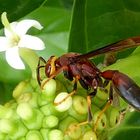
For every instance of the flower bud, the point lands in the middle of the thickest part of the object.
(14, 128)
(113, 116)
(65, 104)
(31, 117)
(22, 87)
(44, 133)
(50, 121)
(48, 92)
(102, 121)
(50, 109)
(55, 134)
(34, 135)
(89, 135)
(80, 104)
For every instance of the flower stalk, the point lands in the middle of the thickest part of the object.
(31, 59)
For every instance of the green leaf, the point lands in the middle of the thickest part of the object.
(60, 3)
(96, 23)
(129, 65)
(18, 8)
(129, 129)
(56, 22)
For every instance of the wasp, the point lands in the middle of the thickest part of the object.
(79, 68)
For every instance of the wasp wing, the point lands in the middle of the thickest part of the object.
(118, 46)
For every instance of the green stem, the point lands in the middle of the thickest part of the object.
(31, 58)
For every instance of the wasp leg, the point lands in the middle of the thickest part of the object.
(89, 118)
(105, 107)
(72, 93)
(38, 69)
(90, 95)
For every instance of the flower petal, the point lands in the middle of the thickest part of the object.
(4, 44)
(23, 26)
(13, 58)
(9, 32)
(32, 42)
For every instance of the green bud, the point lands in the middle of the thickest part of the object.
(50, 109)
(48, 92)
(102, 122)
(44, 133)
(43, 99)
(114, 116)
(21, 130)
(25, 111)
(34, 100)
(72, 112)
(7, 126)
(80, 104)
(31, 98)
(25, 97)
(34, 135)
(90, 135)
(12, 104)
(31, 117)
(70, 129)
(65, 104)
(50, 121)
(55, 134)
(22, 87)
(74, 131)
(36, 121)
(15, 129)
(49, 88)
(7, 113)
(64, 124)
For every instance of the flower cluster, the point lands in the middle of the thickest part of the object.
(32, 115)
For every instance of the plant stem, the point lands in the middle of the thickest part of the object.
(31, 58)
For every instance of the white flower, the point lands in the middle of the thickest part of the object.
(16, 37)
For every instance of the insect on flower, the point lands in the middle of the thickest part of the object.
(16, 38)
(78, 67)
